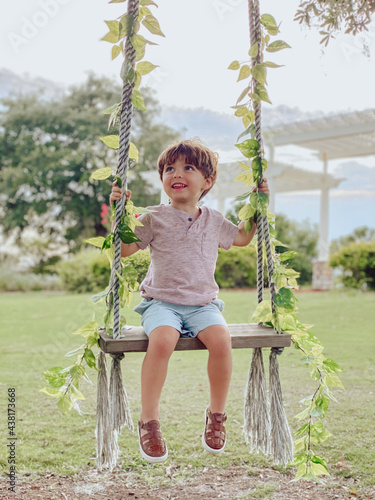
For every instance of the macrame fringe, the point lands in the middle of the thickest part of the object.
(281, 446)
(257, 420)
(120, 410)
(106, 440)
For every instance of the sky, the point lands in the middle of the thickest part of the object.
(60, 40)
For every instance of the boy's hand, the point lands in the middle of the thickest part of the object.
(264, 188)
(116, 193)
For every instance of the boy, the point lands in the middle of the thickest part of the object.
(179, 292)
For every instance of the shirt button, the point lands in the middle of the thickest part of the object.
(190, 219)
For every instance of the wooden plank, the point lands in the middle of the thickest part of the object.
(244, 335)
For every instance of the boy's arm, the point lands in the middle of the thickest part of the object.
(243, 238)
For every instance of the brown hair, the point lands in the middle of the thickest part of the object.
(196, 154)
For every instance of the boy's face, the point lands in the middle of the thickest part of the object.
(183, 182)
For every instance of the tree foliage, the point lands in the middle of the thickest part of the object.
(48, 151)
(357, 262)
(333, 16)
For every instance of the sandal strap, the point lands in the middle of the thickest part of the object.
(215, 430)
(153, 440)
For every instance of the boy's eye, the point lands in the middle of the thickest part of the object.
(189, 167)
(169, 169)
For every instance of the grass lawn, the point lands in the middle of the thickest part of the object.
(36, 333)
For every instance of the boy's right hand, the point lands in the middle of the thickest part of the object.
(116, 193)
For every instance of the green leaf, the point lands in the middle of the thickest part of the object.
(98, 297)
(263, 312)
(234, 65)
(74, 351)
(246, 212)
(107, 243)
(111, 37)
(117, 1)
(65, 404)
(87, 329)
(55, 393)
(116, 51)
(126, 234)
(146, 2)
(248, 226)
(54, 377)
(269, 23)
(96, 242)
(145, 67)
(260, 73)
(285, 299)
(333, 380)
(249, 148)
(260, 202)
(331, 366)
(269, 64)
(101, 173)
(245, 72)
(127, 25)
(75, 393)
(152, 24)
(112, 141)
(77, 372)
(276, 46)
(287, 255)
(261, 92)
(254, 49)
(89, 357)
(133, 152)
(241, 111)
(243, 94)
(137, 100)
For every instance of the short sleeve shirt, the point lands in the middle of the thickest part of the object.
(183, 253)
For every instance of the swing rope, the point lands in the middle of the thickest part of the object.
(113, 411)
(266, 426)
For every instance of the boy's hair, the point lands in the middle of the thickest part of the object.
(196, 154)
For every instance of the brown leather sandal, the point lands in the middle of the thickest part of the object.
(214, 437)
(152, 445)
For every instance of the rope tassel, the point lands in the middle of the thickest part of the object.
(281, 446)
(257, 420)
(106, 441)
(120, 411)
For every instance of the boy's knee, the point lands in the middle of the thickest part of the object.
(162, 341)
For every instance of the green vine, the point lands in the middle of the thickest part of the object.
(63, 383)
(322, 369)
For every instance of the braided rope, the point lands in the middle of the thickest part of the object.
(122, 167)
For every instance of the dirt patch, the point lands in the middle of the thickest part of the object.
(232, 483)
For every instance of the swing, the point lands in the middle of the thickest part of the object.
(266, 427)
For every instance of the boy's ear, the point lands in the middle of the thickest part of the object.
(209, 182)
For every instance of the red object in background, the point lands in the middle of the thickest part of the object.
(103, 214)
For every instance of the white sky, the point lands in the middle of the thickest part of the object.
(59, 40)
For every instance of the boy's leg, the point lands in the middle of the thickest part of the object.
(218, 342)
(162, 342)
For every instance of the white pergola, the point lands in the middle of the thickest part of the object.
(345, 135)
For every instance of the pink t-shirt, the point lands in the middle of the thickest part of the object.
(183, 253)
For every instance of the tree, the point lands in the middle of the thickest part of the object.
(331, 16)
(359, 234)
(48, 150)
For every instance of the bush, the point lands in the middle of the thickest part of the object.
(89, 271)
(357, 261)
(16, 281)
(236, 268)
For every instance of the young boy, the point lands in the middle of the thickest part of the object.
(179, 292)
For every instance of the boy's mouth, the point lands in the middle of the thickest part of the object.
(178, 185)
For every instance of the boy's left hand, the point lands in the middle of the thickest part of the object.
(263, 188)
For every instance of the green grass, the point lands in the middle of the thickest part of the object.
(36, 333)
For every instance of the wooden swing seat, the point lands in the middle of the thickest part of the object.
(244, 335)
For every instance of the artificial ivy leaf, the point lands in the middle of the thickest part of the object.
(270, 64)
(287, 255)
(146, 2)
(65, 404)
(249, 131)
(248, 119)
(116, 51)
(89, 357)
(75, 393)
(74, 351)
(333, 380)
(127, 25)
(107, 243)
(285, 299)
(111, 37)
(117, 1)
(269, 23)
(152, 24)
(243, 94)
(101, 173)
(278, 45)
(112, 141)
(54, 377)
(248, 226)
(133, 152)
(137, 100)
(331, 366)
(234, 65)
(254, 49)
(241, 111)
(145, 67)
(249, 148)
(55, 393)
(96, 242)
(260, 73)
(263, 312)
(87, 329)
(260, 202)
(77, 372)
(126, 234)
(261, 92)
(245, 72)
(246, 212)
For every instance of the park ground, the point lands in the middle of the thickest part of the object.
(56, 454)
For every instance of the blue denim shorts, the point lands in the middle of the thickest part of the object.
(188, 320)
